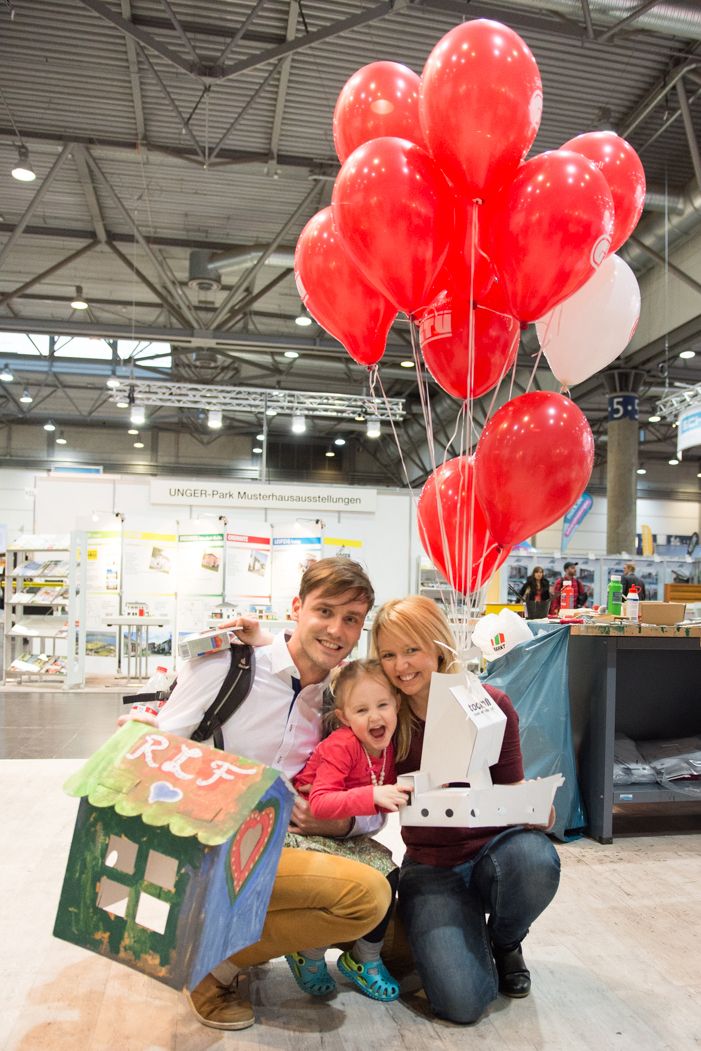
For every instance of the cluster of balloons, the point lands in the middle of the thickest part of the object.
(436, 213)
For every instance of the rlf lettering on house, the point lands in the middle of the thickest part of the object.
(152, 744)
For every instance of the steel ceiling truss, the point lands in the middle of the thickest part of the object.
(259, 400)
(677, 401)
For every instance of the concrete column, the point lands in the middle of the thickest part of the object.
(621, 478)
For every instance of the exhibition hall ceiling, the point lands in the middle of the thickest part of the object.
(180, 147)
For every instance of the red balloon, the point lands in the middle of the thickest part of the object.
(549, 230)
(337, 295)
(480, 104)
(455, 274)
(532, 462)
(444, 334)
(453, 529)
(621, 167)
(380, 99)
(394, 211)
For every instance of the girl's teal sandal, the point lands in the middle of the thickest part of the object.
(373, 979)
(312, 976)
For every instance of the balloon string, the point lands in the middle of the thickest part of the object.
(376, 381)
(428, 423)
(532, 376)
(467, 546)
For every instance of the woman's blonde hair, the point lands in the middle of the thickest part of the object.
(414, 619)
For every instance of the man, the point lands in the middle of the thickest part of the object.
(317, 899)
(629, 579)
(580, 595)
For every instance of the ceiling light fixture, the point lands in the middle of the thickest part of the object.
(673, 462)
(215, 419)
(303, 319)
(329, 453)
(654, 419)
(687, 354)
(260, 437)
(23, 170)
(641, 470)
(26, 397)
(79, 303)
(257, 450)
(407, 364)
(122, 404)
(132, 430)
(6, 374)
(271, 412)
(113, 382)
(299, 425)
(49, 425)
(61, 440)
(137, 416)
(373, 427)
(339, 441)
(292, 354)
(138, 445)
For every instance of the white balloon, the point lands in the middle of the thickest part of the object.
(588, 331)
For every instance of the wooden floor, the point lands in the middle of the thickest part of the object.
(615, 960)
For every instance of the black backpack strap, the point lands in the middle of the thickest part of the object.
(232, 693)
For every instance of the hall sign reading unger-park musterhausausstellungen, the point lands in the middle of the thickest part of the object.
(244, 494)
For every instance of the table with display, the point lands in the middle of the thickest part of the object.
(141, 626)
(640, 680)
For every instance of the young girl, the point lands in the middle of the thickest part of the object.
(351, 774)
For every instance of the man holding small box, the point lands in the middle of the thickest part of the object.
(317, 899)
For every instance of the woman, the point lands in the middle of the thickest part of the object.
(536, 590)
(451, 877)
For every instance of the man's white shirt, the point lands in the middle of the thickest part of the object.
(270, 726)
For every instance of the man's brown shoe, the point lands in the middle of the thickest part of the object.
(220, 1006)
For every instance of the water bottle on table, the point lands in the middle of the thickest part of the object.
(631, 609)
(614, 596)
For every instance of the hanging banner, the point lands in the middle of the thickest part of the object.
(102, 590)
(201, 564)
(689, 429)
(574, 518)
(295, 548)
(149, 584)
(646, 545)
(253, 494)
(341, 547)
(248, 566)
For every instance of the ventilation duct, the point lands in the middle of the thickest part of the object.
(652, 230)
(666, 18)
(205, 267)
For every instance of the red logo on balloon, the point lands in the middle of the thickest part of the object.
(601, 249)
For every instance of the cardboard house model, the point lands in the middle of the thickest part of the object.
(174, 854)
(463, 738)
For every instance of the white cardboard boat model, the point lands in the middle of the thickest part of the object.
(463, 738)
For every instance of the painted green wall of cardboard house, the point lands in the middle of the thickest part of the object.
(174, 854)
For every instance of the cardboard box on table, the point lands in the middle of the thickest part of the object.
(174, 854)
(463, 738)
(662, 612)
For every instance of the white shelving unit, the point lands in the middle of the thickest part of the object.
(45, 570)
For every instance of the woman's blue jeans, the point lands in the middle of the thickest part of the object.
(513, 878)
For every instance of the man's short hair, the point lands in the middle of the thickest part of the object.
(335, 576)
